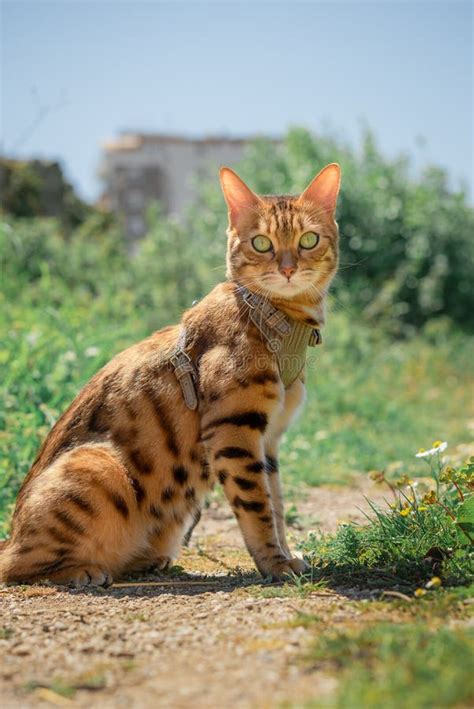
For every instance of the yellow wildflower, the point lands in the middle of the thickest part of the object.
(430, 498)
(419, 593)
(405, 512)
(447, 474)
(377, 476)
(404, 480)
(435, 582)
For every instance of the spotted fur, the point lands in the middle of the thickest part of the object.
(119, 482)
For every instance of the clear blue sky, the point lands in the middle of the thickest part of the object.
(94, 68)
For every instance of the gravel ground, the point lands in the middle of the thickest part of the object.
(204, 638)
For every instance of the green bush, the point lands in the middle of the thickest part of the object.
(70, 300)
(407, 252)
(38, 188)
(429, 528)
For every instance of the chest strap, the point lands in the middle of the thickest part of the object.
(286, 338)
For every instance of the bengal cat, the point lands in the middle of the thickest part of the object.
(121, 477)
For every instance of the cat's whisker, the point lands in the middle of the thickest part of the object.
(334, 298)
(345, 265)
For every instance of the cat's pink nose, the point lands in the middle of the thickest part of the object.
(287, 271)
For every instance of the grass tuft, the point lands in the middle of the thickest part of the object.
(421, 540)
(392, 666)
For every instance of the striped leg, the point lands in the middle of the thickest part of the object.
(236, 453)
(294, 398)
(274, 483)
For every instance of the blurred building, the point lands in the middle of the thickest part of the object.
(140, 168)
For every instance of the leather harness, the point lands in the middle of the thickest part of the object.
(287, 339)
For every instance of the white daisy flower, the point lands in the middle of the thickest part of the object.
(33, 337)
(91, 351)
(438, 447)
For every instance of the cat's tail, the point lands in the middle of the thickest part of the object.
(6, 559)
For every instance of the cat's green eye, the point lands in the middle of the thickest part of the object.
(261, 243)
(309, 240)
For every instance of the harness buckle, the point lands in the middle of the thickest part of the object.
(271, 316)
(181, 361)
(250, 298)
(315, 338)
(279, 322)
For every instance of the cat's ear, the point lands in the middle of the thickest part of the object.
(241, 201)
(324, 188)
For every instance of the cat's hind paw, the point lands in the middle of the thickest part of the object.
(162, 563)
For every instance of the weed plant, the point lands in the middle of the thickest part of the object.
(421, 539)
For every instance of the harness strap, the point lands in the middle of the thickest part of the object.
(263, 313)
(287, 339)
(185, 371)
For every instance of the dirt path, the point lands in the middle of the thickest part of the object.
(213, 640)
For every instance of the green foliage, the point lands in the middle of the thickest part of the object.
(396, 665)
(407, 252)
(36, 256)
(465, 518)
(37, 188)
(69, 302)
(372, 399)
(20, 188)
(426, 530)
(407, 248)
(170, 270)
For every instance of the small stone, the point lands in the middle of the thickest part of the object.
(21, 650)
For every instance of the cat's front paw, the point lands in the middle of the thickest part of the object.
(82, 577)
(286, 567)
